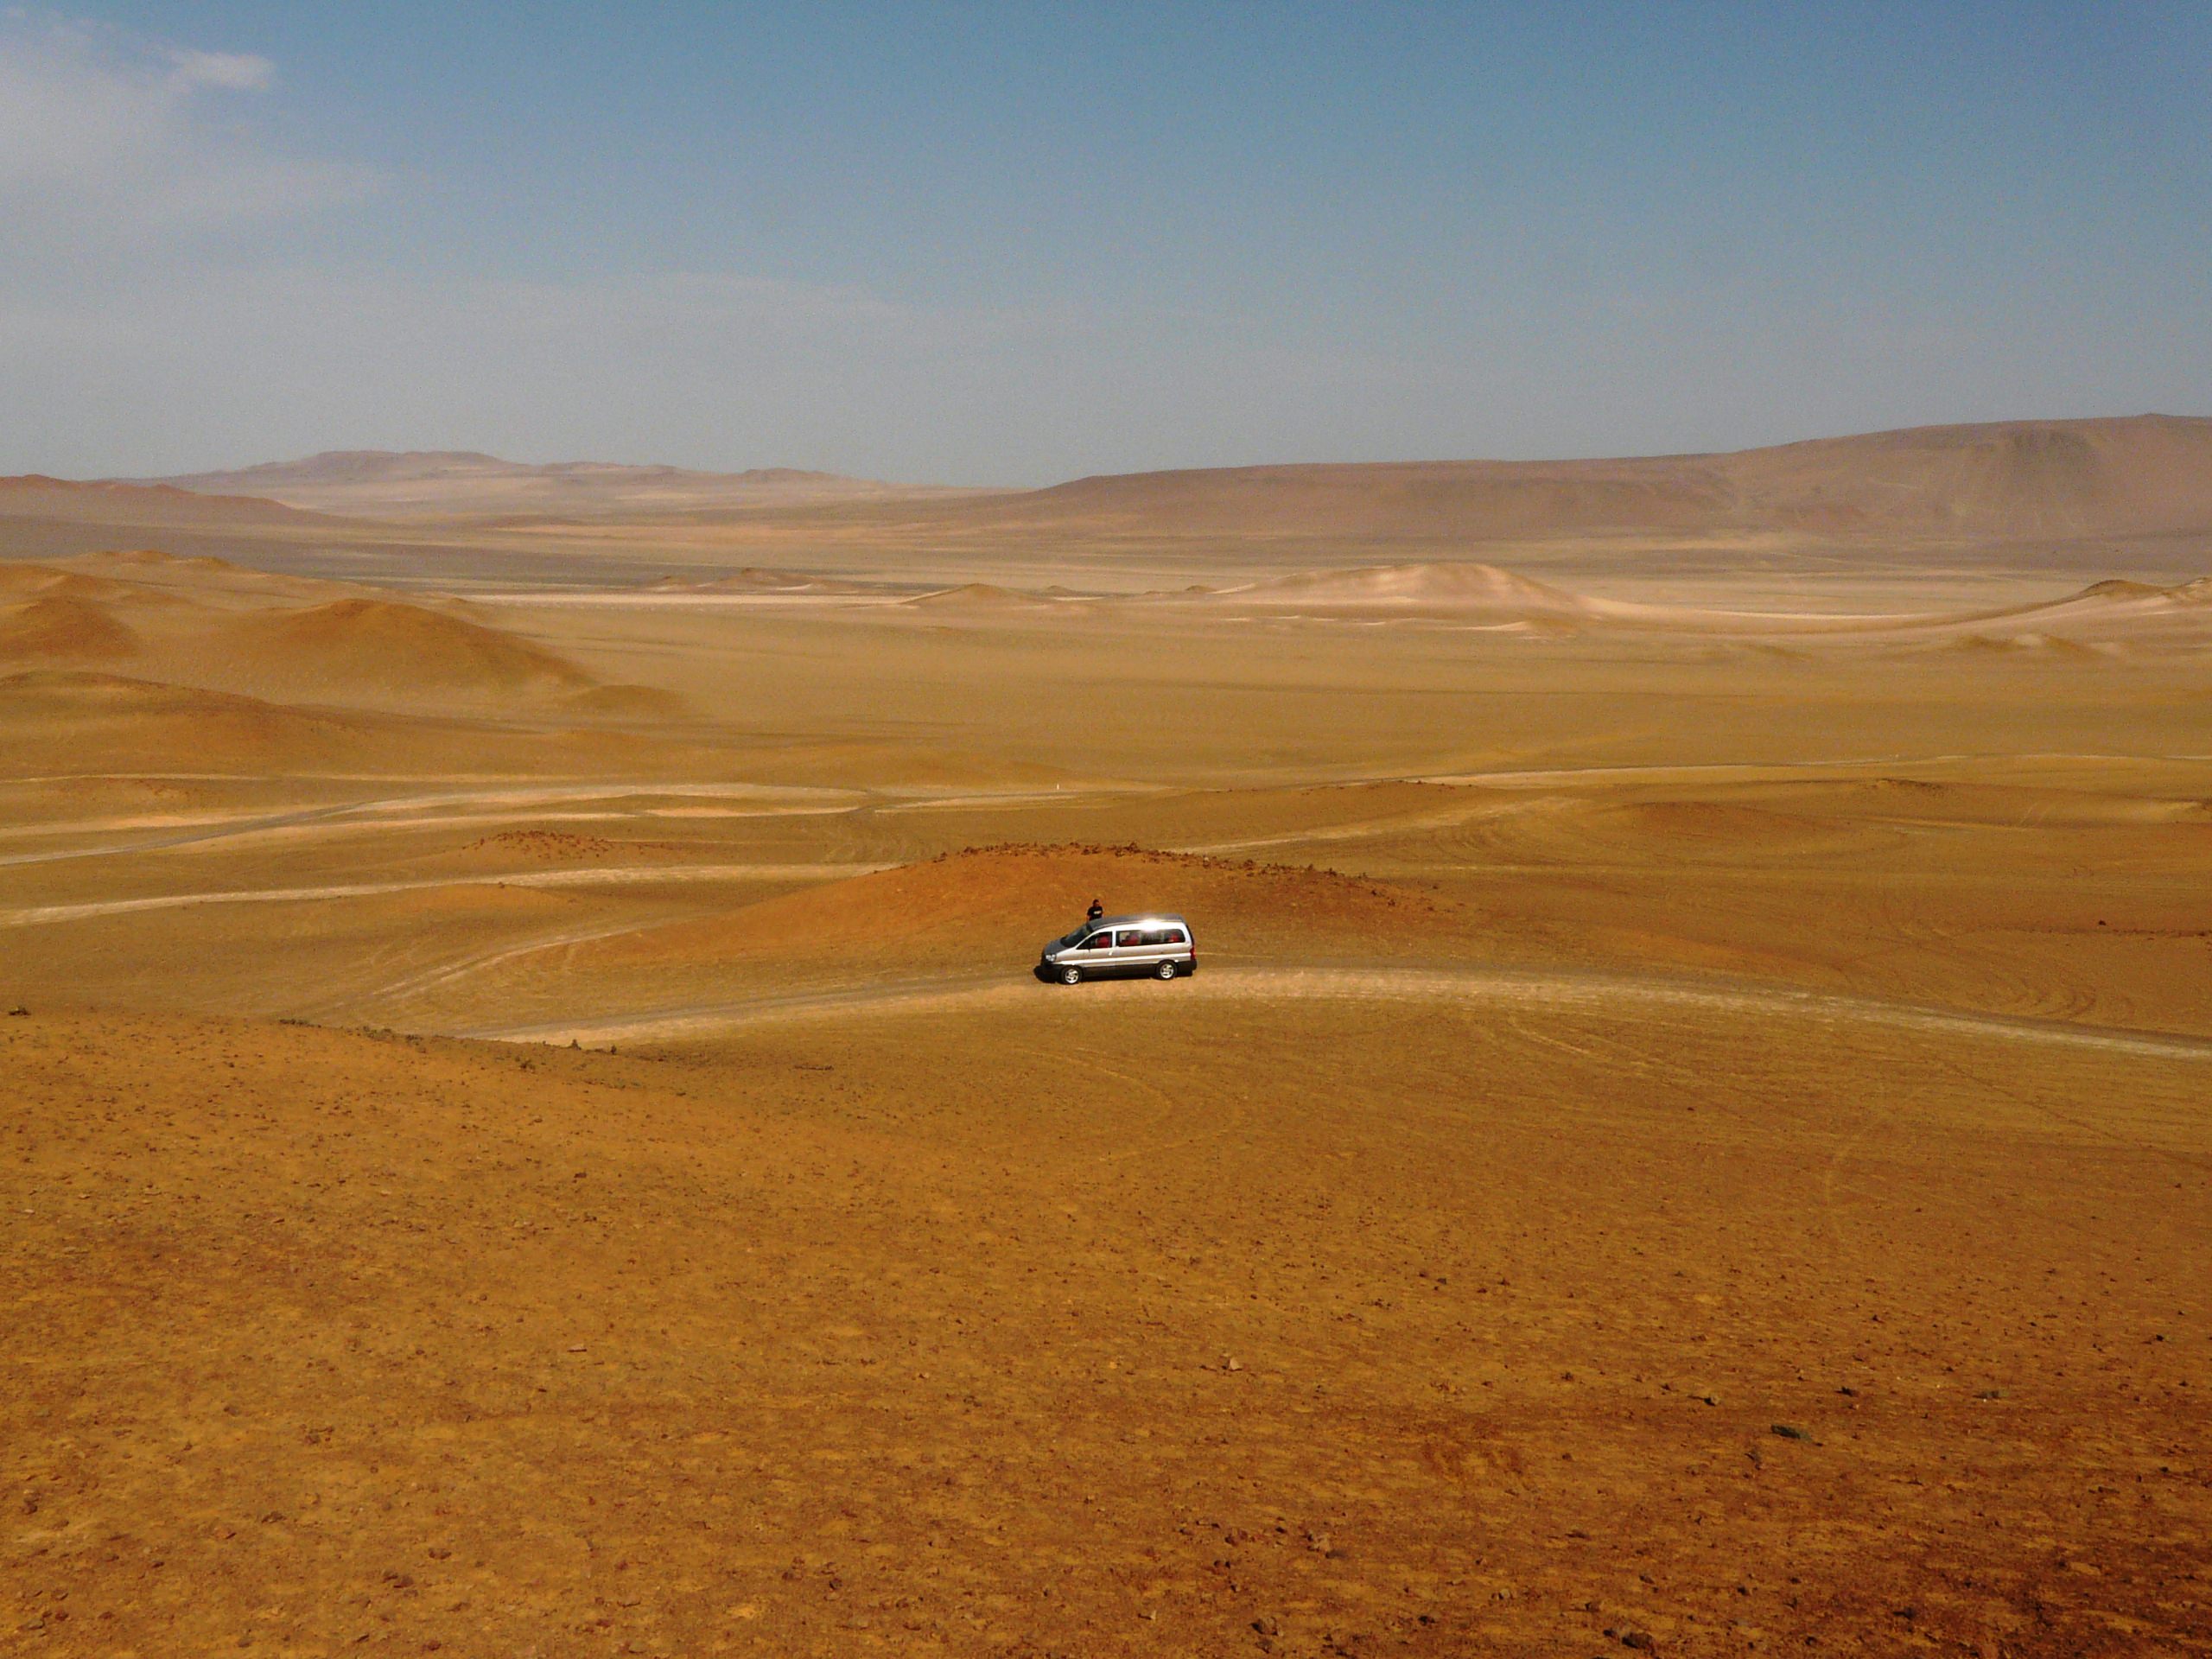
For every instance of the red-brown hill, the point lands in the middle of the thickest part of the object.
(980, 905)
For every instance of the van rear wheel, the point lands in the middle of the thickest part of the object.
(1071, 975)
(1166, 970)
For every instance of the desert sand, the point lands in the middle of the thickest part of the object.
(530, 1126)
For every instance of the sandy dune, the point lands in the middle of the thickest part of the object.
(366, 638)
(1691, 1125)
(216, 625)
(135, 574)
(978, 596)
(63, 627)
(2110, 611)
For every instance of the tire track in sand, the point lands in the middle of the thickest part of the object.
(594, 876)
(1590, 991)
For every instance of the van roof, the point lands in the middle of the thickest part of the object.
(1140, 920)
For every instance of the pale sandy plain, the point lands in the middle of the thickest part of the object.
(532, 1131)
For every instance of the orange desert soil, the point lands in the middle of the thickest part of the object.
(1102, 1326)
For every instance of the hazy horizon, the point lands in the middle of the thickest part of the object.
(547, 462)
(1005, 247)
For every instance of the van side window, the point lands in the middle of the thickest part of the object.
(1174, 936)
(1098, 941)
(1129, 937)
(1160, 936)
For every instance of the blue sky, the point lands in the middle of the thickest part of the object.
(1017, 243)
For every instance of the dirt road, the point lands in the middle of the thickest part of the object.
(1590, 992)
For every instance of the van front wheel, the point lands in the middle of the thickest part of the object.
(1166, 970)
(1071, 975)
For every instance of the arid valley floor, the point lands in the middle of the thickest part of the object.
(528, 1127)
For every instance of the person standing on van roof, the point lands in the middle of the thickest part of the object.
(1097, 910)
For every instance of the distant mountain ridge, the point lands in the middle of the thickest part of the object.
(400, 466)
(1995, 484)
(415, 483)
(2136, 474)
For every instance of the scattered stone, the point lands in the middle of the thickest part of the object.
(1266, 1625)
(1232, 1364)
(1989, 1393)
(1789, 1432)
(18, 1011)
(1640, 1640)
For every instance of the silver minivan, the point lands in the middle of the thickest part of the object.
(1159, 947)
